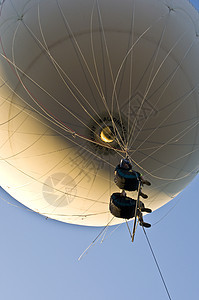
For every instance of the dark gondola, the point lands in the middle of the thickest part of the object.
(124, 207)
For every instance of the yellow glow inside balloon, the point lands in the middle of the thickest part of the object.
(106, 135)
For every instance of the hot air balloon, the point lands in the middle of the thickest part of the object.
(83, 84)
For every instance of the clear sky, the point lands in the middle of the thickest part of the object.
(39, 257)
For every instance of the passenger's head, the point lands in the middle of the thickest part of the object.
(125, 164)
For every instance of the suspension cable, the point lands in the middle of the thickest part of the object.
(95, 240)
(156, 262)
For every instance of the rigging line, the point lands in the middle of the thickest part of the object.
(175, 71)
(56, 189)
(129, 32)
(187, 96)
(43, 89)
(69, 194)
(79, 49)
(95, 240)
(39, 135)
(44, 183)
(151, 79)
(74, 215)
(104, 193)
(103, 59)
(85, 174)
(95, 175)
(44, 109)
(132, 36)
(72, 140)
(192, 174)
(175, 160)
(165, 119)
(58, 69)
(158, 177)
(137, 207)
(1, 7)
(47, 213)
(26, 148)
(144, 74)
(10, 135)
(107, 236)
(180, 9)
(157, 146)
(128, 53)
(157, 265)
(63, 126)
(94, 201)
(111, 181)
(55, 166)
(113, 81)
(144, 98)
(49, 152)
(56, 204)
(37, 102)
(2, 85)
(94, 60)
(16, 129)
(13, 117)
(110, 69)
(61, 134)
(167, 85)
(88, 165)
(110, 176)
(116, 131)
(51, 117)
(36, 111)
(104, 234)
(184, 132)
(128, 228)
(23, 7)
(87, 210)
(9, 63)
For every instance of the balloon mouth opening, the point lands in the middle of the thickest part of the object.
(107, 135)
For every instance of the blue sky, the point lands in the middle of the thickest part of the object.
(195, 3)
(39, 257)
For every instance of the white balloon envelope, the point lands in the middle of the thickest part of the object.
(84, 82)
